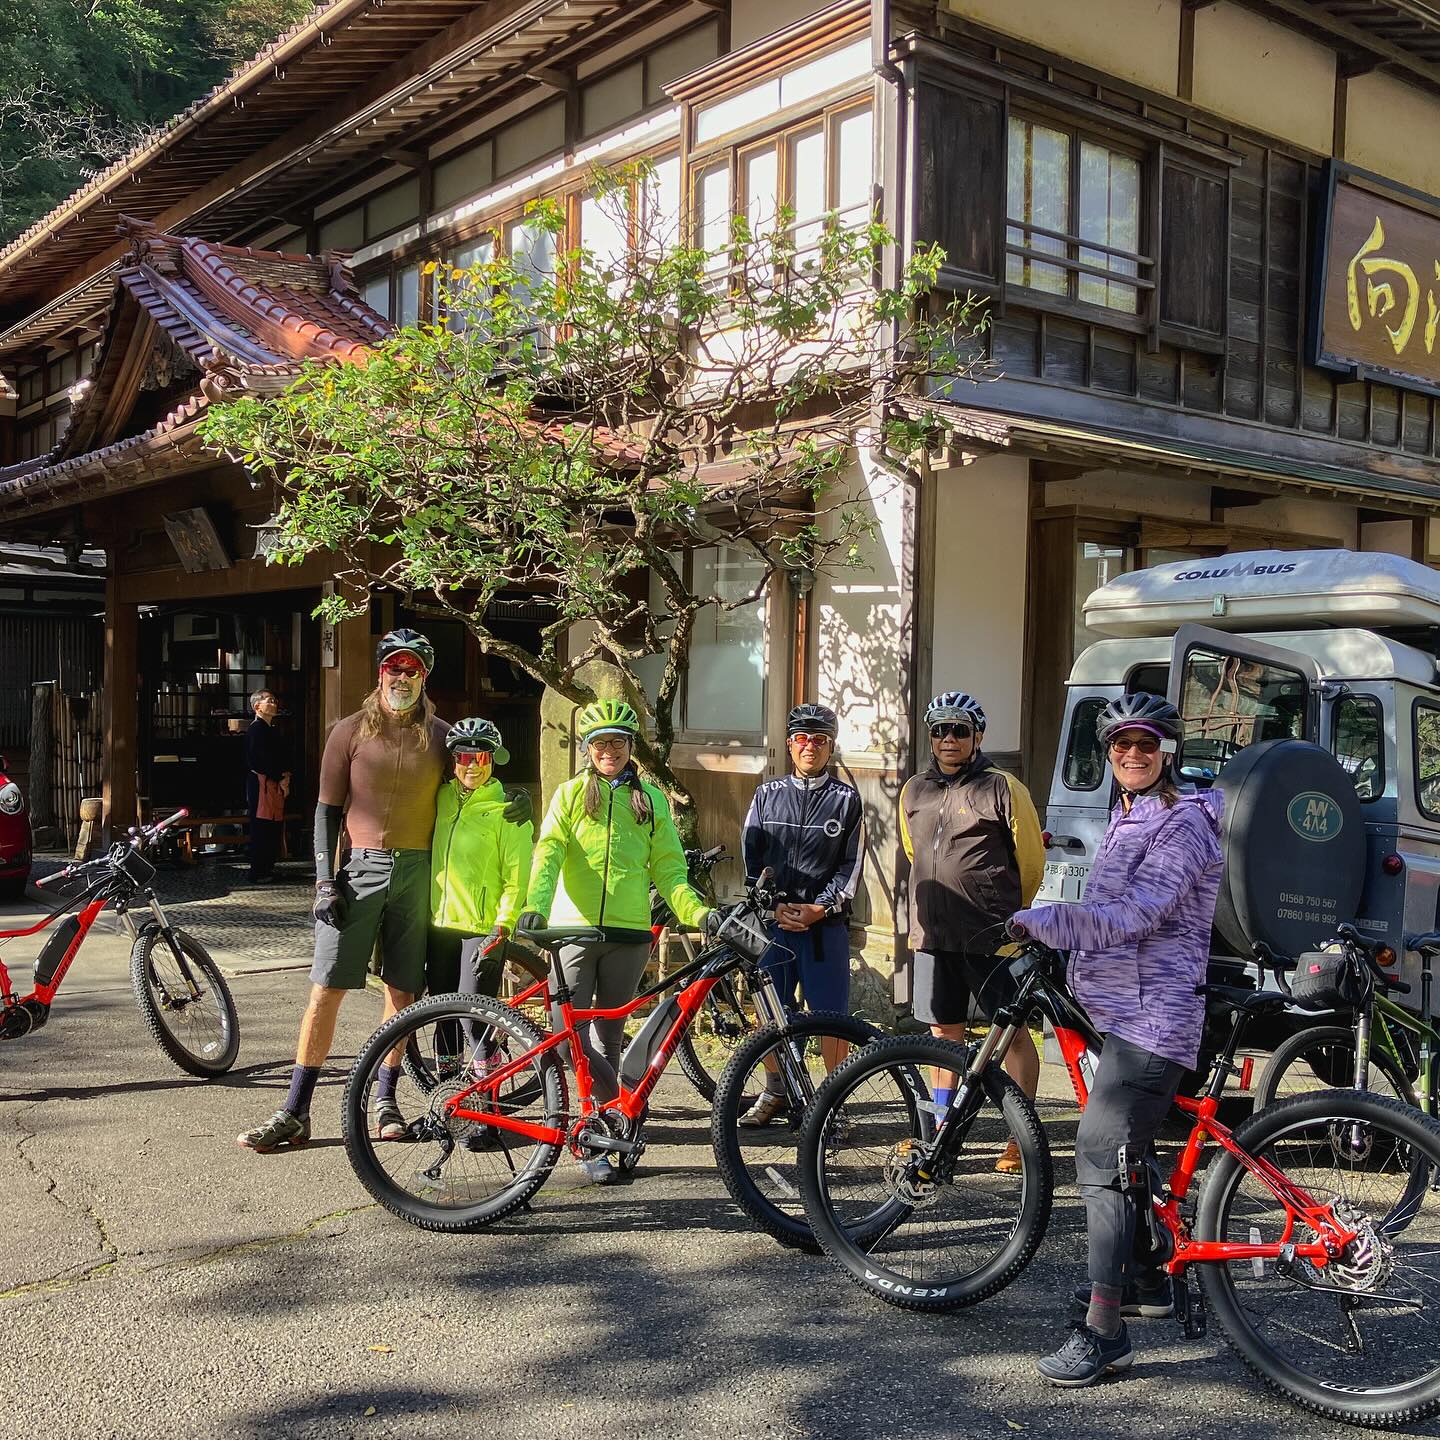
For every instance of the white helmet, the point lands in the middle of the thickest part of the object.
(952, 705)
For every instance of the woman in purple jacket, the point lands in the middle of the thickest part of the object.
(1140, 941)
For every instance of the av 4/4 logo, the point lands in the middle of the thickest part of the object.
(1314, 816)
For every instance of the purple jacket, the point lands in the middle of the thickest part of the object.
(1141, 936)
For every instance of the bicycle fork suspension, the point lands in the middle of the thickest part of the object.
(955, 1124)
(771, 1010)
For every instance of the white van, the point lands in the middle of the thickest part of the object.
(1328, 646)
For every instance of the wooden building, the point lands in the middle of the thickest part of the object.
(1169, 205)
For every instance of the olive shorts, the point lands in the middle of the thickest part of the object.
(387, 899)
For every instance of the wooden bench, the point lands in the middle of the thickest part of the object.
(188, 837)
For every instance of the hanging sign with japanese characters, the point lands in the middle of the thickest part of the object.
(1378, 282)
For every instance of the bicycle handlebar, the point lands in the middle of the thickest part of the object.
(562, 935)
(1370, 950)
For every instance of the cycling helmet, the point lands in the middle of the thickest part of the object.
(1141, 712)
(607, 717)
(811, 719)
(472, 733)
(405, 642)
(955, 705)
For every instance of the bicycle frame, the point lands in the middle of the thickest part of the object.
(1078, 1039)
(1386, 1014)
(712, 965)
(45, 994)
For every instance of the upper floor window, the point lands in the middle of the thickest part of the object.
(815, 171)
(1073, 217)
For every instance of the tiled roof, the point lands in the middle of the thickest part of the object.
(245, 319)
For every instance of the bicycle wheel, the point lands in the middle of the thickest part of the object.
(946, 1243)
(1323, 1058)
(522, 970)
(453, 1172)
(1355, 1339)
(725, 1021)
(186, 1003)
(758, 1164)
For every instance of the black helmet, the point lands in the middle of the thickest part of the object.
(1140, 712)
(406, 642)
(811, 719)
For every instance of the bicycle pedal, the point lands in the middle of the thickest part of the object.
(1189, 1307)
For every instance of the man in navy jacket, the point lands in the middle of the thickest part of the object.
(809, 828)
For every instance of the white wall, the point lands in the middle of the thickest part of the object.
(1393, 129)
(1392, 536)
(978, 638)
(752, 20)
(1137, 40)
(1265, 76)
(857, 647)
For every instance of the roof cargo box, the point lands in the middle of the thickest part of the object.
(1270, 590)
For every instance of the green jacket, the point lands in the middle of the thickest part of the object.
(607, 864)
(479, 863)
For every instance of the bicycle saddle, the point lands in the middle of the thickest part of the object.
(1240, 997)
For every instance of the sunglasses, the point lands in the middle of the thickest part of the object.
(809, 742)
(1146, 745)
(402, 667)
(472, 757)
(610, 744)
(945, 731)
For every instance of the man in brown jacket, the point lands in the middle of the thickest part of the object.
(379, 776)
(976, 856)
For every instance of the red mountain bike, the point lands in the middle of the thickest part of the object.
(489, 1099)
(1316, 1232)
(178, 987)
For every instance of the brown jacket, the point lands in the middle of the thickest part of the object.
(387, 785)
(976, 854)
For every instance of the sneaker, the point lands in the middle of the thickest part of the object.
(1086, 1358)
(598, 1171)
(1145, 1300)
(282, 1128)
(1009, 1162)
(387, 1121)
(768, 1107)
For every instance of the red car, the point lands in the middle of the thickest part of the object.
(15, 841)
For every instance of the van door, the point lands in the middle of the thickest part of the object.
(1232, 691)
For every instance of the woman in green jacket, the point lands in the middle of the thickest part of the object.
(479, 866)
(606, 836)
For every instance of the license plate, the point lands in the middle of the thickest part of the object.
(1064, 880)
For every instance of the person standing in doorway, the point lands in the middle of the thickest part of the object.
(267, 785)
(379, 776)
(809, 828)
(977, 855)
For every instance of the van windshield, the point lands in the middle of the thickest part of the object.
(1231, 701)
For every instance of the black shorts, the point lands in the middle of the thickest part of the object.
(944, 980)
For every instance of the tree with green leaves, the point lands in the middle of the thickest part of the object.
(578, 426)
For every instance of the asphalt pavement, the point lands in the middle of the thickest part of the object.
(157, 1281)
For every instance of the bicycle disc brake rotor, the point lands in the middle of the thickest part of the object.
(900, 1181)
(1368, 1259)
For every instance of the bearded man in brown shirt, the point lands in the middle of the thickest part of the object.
(379, 776)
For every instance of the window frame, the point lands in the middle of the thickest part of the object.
(1421, 703)
(1377, 707)
(1145, 282)
(778, 136)
(700, 735)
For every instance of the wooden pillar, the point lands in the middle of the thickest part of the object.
(122, 684)
(352, 676)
